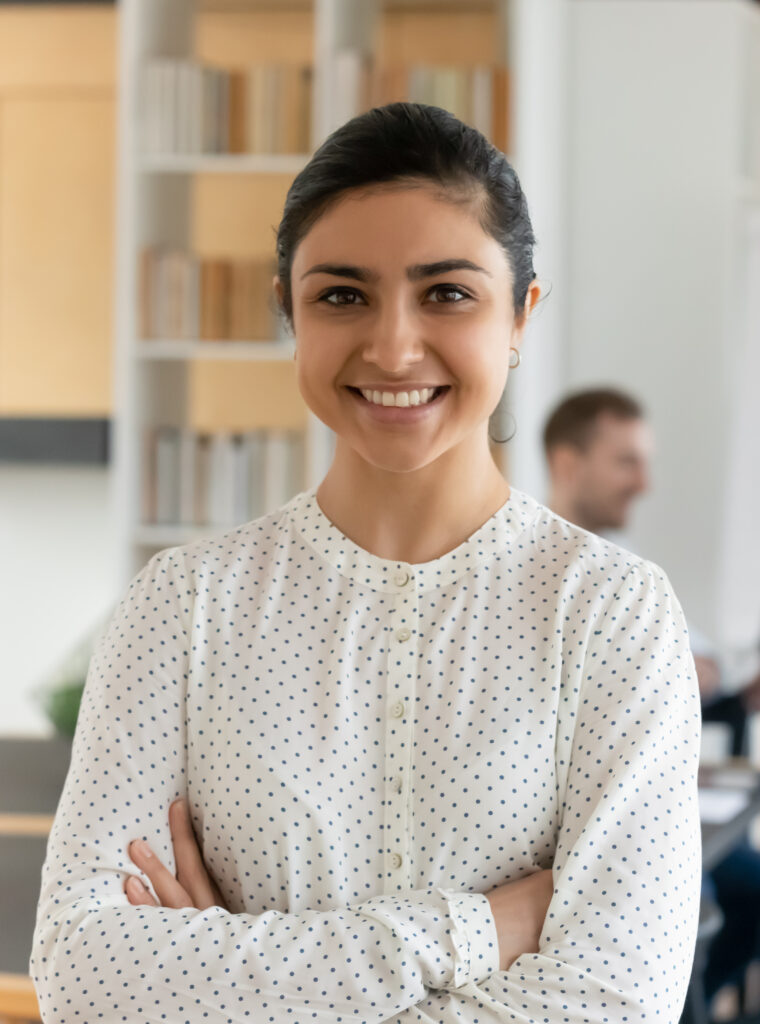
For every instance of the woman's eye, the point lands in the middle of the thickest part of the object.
(341, 297)
(448, 293)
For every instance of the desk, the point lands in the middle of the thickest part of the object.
(739, 783)
(18, 1000)
(33, 772)
(718, 839)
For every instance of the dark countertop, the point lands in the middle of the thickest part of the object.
(32, 774)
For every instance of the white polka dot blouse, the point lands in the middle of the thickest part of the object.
(367, 747)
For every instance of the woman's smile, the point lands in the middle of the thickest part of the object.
(399, 406)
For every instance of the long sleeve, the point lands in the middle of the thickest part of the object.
(96, 957)
(618, 939)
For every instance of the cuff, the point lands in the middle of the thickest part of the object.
(475, 938)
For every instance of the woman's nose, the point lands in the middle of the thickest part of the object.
(394, 338)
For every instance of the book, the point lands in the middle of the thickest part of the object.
(221, 480)
(189, 107)
(276, 469)
(201, 513)
(167, 475)
(238, 112)
(255, 445)
(477, 95)
(241, 480)
(188, 459)
(214, 306)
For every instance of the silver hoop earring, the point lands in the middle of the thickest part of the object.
(513, 366)
(501, 423)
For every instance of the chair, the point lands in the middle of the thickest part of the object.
(695, 1009)
(731, 711)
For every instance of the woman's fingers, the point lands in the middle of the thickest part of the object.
(191, 871)
(169, 891)
(192, 887)
(137, 894)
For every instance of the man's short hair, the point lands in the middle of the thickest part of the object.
(574, 420)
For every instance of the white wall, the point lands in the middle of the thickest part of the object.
(654, 109)
(57, 577)
(538, 54)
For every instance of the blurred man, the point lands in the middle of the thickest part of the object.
(598, 446)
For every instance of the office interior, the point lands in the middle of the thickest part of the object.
(146, 147)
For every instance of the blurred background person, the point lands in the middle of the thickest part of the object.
(598, 446)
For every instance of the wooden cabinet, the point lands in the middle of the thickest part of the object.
(57, 210)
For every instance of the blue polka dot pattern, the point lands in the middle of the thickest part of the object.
(367, 747)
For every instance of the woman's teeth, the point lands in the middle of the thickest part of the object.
(400, 398)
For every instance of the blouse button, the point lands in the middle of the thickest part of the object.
(403, 634)
(398, 709)
(396, 860)
(401, 578)
(398, 784)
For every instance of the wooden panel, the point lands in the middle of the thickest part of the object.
(406, 37)
(241, 38)
(241, 396)
(18, 1000)
(57, 160)
(48, 47)
(439, 37)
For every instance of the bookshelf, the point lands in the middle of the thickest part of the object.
(198, 206)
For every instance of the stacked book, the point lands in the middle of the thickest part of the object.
(476, 95)
(220, 479)
(190, 108)
(479, 96)
(184, 296)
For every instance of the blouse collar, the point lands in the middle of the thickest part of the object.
(497, 535)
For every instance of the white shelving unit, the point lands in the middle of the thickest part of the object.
(154, 206)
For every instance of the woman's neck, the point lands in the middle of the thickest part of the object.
(412, 516)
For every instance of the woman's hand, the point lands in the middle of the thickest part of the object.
(193, 886)
(519, 909)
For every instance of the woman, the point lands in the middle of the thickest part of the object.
(439, 746)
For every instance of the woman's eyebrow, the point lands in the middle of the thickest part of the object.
(342, 270)
(420, 270)
(414, 273)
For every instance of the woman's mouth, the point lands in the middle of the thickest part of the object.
(399, 406)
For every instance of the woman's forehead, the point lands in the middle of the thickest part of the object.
(416, 223)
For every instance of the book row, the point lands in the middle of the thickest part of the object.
(220, 479)
(184, 296)
(477, 95)
(191, 108)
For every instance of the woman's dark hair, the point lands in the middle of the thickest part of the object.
(410, 141)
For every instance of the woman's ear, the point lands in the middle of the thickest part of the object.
(521, 321)
(531, 299)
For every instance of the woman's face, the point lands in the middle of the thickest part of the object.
(400, 295)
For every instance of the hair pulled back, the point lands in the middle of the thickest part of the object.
(411, 141)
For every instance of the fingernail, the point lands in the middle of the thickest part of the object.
(142, 848)
(135, 886)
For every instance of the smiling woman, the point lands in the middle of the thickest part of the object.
(411, 747)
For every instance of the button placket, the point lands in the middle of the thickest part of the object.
(401, 675)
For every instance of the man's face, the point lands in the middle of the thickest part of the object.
(612, 471)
